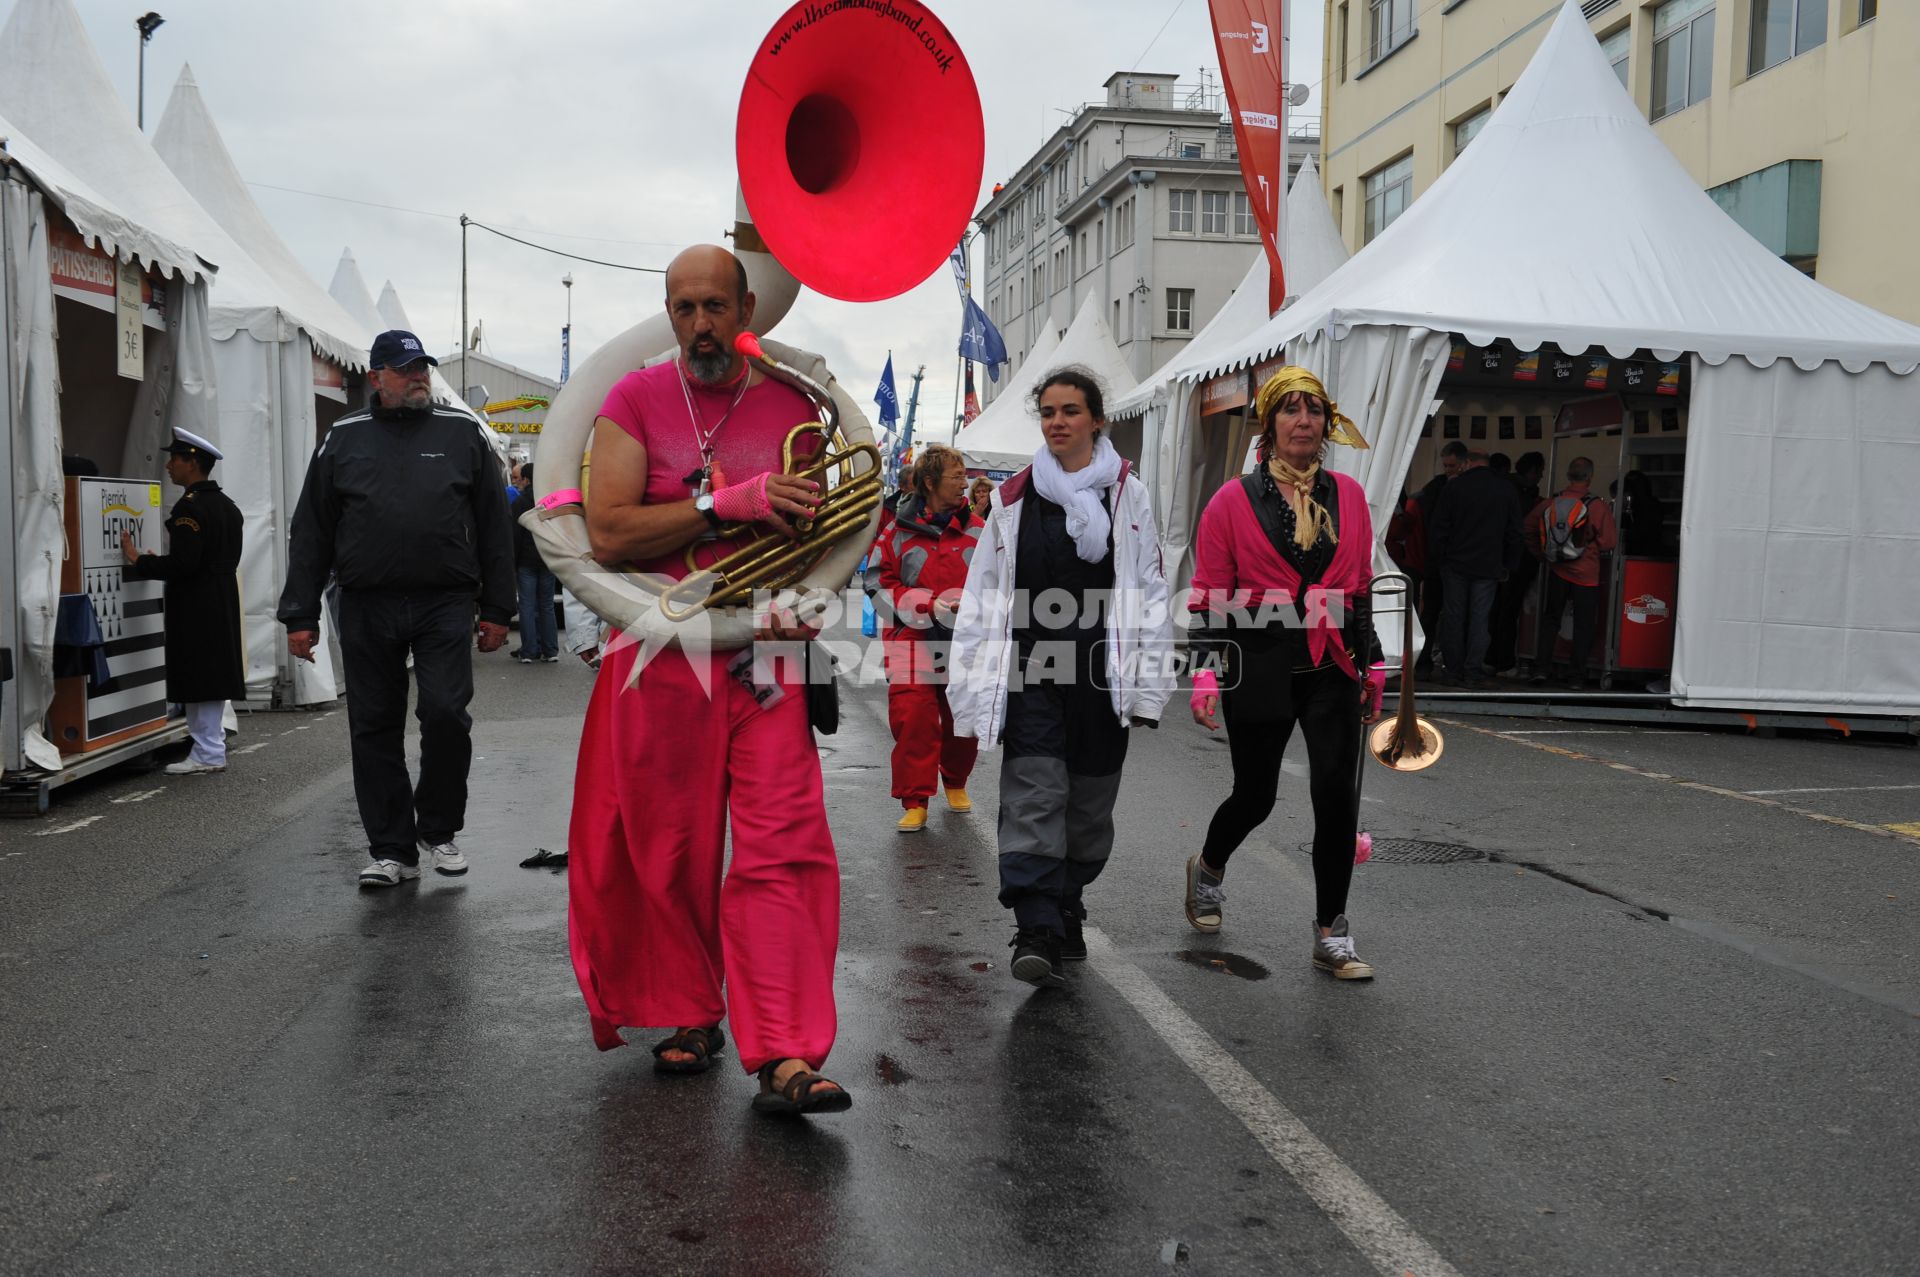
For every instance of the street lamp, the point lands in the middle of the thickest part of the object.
(566, 333)
(148, 23)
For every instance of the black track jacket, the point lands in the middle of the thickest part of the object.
(403, 500)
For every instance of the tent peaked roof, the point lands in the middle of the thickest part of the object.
(392, 313)
(98, 219)
(54, 88)
(1312, 251)
(1312, 245)
(1007, 433)
(189, 142)
(1569, 221)
(350, 290)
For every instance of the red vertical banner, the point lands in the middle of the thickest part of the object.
(1248, 35)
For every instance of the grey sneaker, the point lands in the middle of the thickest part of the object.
(387, 873)
(1205, 896)
(445, 857)
(1334, 953)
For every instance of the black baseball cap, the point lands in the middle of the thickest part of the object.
(397, 348)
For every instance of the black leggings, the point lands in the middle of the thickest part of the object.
(1326, 705)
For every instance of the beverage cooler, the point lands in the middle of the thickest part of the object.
(110, 644)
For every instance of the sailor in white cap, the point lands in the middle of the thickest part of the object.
(205, 658)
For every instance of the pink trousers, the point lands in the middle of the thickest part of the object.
(661, 936)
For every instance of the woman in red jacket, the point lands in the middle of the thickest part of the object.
(1283, 559)
(924, 555)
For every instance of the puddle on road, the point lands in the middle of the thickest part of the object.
(1223, 963)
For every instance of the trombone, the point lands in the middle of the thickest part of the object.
(1406, 742)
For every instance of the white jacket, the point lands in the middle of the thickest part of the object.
(1139, 624)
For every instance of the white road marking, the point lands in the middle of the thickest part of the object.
(1374, 1227)
(1599, 731)
(1837, 789)
(81, 823)
(248, 749)
(140, 797)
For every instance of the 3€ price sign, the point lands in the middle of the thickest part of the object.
(129, 335)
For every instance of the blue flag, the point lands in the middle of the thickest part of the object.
(980, 341)
(886, 396)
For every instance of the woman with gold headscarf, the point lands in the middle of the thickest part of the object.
(1283, 557)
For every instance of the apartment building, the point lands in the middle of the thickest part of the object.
(1137, 198)
(1797, 116)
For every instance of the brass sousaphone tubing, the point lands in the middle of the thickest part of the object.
(772, 562)
(1406, 742)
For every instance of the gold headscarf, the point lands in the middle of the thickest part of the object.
(1311, 520)
(1284, 381)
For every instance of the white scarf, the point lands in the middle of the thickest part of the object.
(1079, 494)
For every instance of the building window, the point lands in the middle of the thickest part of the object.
(1192, 150)
(1213, 213)
(1339, 203)
(1086, 262)
(1389, 25)
(1468, 129)
(1784, 29)
(1063, 181)
(1039, 289)
(1180, 206)
(1682, 55)
(1869, 10)
(1179, 310)
(1389, 191)
(1343, 44)
(1243, 223)
(1616, 47)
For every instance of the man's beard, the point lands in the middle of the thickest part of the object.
(710, 365)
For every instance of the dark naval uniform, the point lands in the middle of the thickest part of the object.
(206, 657)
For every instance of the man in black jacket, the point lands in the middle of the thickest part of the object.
(1474, 538)
(403, 502)
(206, 662)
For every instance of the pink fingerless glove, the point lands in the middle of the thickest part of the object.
(1206, 683)
(744, 502)
(1379, 675)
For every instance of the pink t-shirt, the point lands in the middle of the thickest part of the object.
(648, 404)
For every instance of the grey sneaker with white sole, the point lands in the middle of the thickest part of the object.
(387, 873)
(1334, 952)
(445, 857)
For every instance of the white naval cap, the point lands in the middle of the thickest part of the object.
(186, 443)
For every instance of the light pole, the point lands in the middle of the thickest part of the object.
(148, 23)
(566, 332)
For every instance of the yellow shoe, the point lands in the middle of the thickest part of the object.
(913, 821)
(957, 799)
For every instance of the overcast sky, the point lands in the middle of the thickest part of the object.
(603, 127)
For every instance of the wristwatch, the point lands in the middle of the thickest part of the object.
(704, 504)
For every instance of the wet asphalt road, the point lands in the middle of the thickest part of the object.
(1670, 1029)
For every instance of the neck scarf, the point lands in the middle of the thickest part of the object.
(1310, 519)
(1079, 495)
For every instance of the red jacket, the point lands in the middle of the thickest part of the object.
(920, 562)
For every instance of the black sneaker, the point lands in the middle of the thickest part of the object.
(1036, 957)
(1073, 945)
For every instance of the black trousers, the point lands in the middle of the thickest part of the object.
(1586, 617)
(377, 632)
(1326, 706)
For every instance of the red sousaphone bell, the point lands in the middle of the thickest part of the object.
(860, 144)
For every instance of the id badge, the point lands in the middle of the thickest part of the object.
(765, 695)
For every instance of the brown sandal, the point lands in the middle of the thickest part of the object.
(797, 1095)
(701, 1044)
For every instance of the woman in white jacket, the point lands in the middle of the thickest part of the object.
(1063, 641)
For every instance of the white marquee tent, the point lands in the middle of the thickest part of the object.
(1568, 221)
(261, 322)
(1169, 400)
(34, 188)
(1005, 436)
(268, 390)
(392, 313)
